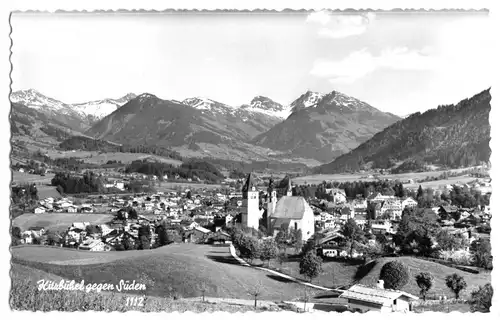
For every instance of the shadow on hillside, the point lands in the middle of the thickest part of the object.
(223, 259)
(364, 270)
(280, 279)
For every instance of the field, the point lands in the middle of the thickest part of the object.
(319, 178)
(22, 177)
(439, 271)
(337, 273)
(177, 270)
(101, 158)
(58, 221)
(171, 186)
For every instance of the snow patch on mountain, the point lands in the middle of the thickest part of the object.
(97, 109)
(208, 105)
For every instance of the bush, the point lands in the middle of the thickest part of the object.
(395, 275)
(462, 256)
(481, 299)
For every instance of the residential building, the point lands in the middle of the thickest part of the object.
(409, 202)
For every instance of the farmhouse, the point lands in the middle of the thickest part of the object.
(379, 299)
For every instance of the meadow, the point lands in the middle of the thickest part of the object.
(178, 270)
(24, 295)
(58, 221)
(96, 157)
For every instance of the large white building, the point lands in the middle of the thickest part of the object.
(292, 212)
(251, 213)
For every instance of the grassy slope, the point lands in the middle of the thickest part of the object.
(58, 221)
(439, 271)
(25, 296)
(173, 270)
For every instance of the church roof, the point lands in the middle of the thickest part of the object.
(249, 183)
(290, 208)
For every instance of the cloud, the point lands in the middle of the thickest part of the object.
(341, 25)
(360, 63)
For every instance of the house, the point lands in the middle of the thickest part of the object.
(37, 231)
(220, 237)
(338, 195)
(360, 205)
(293, 212)
(39, 210)
(409, 202)
(392, 206)
(378, 298)
(199, 234)
(382, 228)
(445, 212)
(94, 245)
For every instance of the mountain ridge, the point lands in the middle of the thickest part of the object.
(450, 135)
(330, 125)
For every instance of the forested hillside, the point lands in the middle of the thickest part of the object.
(452, 135)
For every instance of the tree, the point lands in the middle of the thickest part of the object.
(395, 275)
(268, 250)
(425, 281)
(481, 299)
(249, 248)
(127, 243)
(310, 265)
(188, 194)
(456, 283)
(297, 240)
(448, 241)
(420, 192)
(282, 257)
(353, 234)
(481, 249)
(282, 237)
(255, 292)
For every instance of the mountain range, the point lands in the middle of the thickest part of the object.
(324, 126)
(314, 129)
(451, 135)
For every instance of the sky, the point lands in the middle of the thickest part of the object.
(399, 63)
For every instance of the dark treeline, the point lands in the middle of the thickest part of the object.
(25, 193)
(189, 170)
(89, 144)
(241, 166)
(88, 183)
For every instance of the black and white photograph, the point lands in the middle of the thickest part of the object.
(318, 161)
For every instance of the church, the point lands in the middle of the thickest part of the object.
(290, 211)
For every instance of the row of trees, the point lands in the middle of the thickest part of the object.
(189, 170)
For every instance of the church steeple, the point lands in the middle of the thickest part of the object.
(289, 188)
(249, 185)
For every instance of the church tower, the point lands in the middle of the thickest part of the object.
(289, 188)
(272, 199)
(251, 213)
